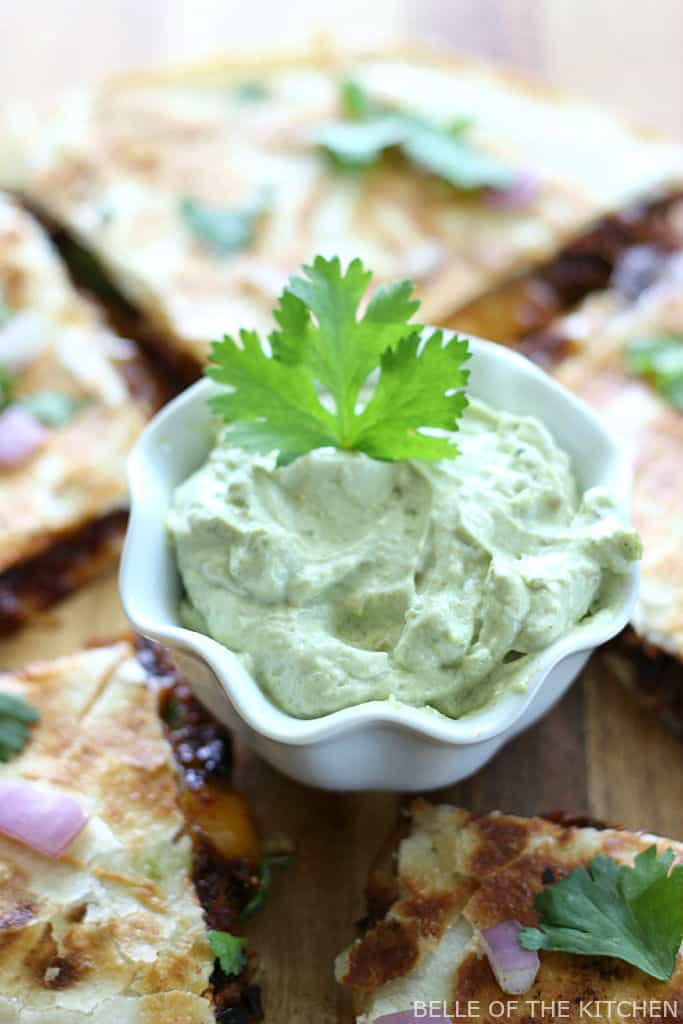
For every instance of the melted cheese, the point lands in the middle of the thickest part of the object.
(78, 474)
(114, 164)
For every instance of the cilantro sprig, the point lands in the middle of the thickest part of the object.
(313, 389)
(223, 230)
(659, 358)
(229, 949)
(258, 900)
(369, 129)
(632, 913)
(16, 719)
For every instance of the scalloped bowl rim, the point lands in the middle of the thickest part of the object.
(242, 690)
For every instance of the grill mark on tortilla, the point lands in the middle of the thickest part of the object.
(388, 951)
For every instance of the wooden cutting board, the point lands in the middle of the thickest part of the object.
(596, 752)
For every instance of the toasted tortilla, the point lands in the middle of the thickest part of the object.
(115, 919)
(457, 874)
(114, 165)
(77, 477)
(114, 929)
(627, 243)
(650, 429)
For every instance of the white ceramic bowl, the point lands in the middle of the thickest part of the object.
(375, 745)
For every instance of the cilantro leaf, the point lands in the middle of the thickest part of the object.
(359, 144)
(271, 405)
(53, 408)
(416, 385)
(251, 91)
(16, 719)
(449, 156)
(7, 382)
(340, 350)
(369, 129)
(632, 913)
(355, 101)
(224, 231)
(259, 898)
(7, 386)
(229, 949)
(321, 342)
(659, 358)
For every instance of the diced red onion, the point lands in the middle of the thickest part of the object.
(515, 968)
(522, 192)
(22, 339)
(43, 819)
(21, 435)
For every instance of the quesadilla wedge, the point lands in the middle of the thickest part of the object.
(199, 190)
(627, 273)
(117, 927)
(598, 339)
(630, 244)
(454, 875)
(73, 398)
(594, 350)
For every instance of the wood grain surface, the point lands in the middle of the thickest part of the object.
(597, 751)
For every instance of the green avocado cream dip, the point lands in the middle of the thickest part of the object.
(340, 579)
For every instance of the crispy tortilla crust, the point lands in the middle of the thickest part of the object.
(617, 262)
(60, 512)
(114, 922)
(225, 880)
(37, 584)
(100, 736)
(520, 311)
(586, 351)
(456, 874)
(416, 215)
(653, 676)
(164, 371)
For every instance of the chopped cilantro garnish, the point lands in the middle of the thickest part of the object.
(369, 129)
(7, 385)
(7, 382)
(632, 913)
(274, 401)
(251, 91)
(173, 713)
(16, 719)
(229, 949)
(266, 880)
(53, 408)
(659, 358)
(224, 231)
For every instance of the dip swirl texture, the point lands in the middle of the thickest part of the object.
(340, 579)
